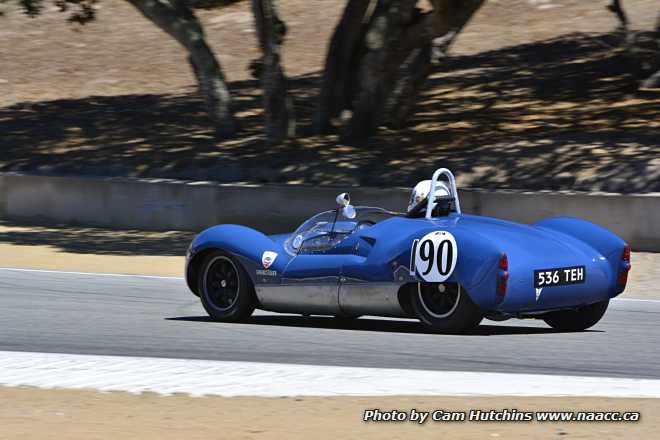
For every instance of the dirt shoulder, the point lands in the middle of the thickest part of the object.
(37, 414)
(93, 249)
(47, 258)
(162, 253)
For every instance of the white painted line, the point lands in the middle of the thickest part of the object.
(102, 274)
(222, 378)
(637, 300)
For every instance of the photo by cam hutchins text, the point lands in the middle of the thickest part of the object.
(500, 415)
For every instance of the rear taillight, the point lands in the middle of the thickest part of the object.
(622, 278)
(625, 256)
(502, 275)
(504, 262)
(502, 279)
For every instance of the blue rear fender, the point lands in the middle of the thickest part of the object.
(598, 237)
(555, 243)
(246, 244)
(605, 242)
(476, 266)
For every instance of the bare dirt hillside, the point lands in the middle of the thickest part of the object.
(538, 95)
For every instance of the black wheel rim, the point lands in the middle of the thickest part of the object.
(221, 283)
(439, 299)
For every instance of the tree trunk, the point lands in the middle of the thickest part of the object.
(412, 76)
(177, 19)
(397, 59)
(450, 17)
(653, 81)
(278, 108)
(384, 41)
(339, 70)
(616, 7)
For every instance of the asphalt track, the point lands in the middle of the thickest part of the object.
(157, 317)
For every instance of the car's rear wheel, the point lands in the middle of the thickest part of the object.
(577, 320)
(445, 307)
(225, 289)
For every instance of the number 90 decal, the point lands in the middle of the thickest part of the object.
(433, 257)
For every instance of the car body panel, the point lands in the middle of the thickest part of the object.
(363, 273)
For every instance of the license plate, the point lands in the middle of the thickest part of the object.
(560, 276)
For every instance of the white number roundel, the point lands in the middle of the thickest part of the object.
(433, 257)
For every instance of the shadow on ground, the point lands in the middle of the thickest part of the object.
(372, 325)
(97, 241)
(557, 114)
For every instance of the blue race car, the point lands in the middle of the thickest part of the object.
(433, 263)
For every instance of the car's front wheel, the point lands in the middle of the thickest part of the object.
(445, 307)
(577, 320)
(225, 289)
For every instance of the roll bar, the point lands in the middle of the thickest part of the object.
(452, 187)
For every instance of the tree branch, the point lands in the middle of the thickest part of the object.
(178, 20)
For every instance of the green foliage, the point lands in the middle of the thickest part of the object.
(83, 11)
(79, 11)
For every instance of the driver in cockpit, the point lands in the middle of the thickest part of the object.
(419, 196)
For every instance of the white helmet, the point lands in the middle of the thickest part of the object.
(421, 192)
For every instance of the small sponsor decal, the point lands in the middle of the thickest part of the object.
(267, 272)
(538, 293)
(268, 258)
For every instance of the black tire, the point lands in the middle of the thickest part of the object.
(225, 289)
(577, 320)
(446, 311)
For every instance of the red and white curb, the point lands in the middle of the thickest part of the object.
(223, 378)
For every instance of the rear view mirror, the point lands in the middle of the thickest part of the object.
(348, 211)
(343, 199)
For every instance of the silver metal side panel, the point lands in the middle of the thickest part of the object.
(309, 296)
(363, 298)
